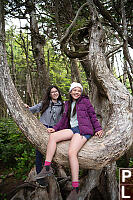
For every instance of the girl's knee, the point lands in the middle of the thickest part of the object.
(52, 136)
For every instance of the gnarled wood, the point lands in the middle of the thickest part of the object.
(118, 130)
(97, 152)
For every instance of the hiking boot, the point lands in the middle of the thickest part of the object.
(46, 171)
(74, 194)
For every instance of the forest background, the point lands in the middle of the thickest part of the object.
(38, 56)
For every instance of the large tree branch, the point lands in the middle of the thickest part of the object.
(74, 54)
(66, 35)
(97, 152)
(113, 51)
(63, 40)
(125, 46)
(119, 125)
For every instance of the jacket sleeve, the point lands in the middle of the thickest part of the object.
(36, 108)
(91, 112)
(63, 123)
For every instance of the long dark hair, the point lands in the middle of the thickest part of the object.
(46, 99)
(70, 103)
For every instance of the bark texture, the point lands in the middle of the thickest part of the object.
(38, 42)
(96, 153)
(30, 189)
(113, 105)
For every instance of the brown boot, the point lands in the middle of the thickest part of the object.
(74, 194)
(46, 171)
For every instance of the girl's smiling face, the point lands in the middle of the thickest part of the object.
(76, 93)
(54, 94)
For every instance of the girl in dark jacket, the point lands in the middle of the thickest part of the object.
(77, 124)
(51, 109)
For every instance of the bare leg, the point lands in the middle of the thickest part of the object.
(54, 138)
(75, 145)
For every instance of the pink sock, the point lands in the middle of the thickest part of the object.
(47, 163)
(75, 184)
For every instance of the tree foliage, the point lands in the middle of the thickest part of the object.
(54, 18)
(16, 151)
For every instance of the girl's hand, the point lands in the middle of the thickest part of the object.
(50, 130)
(26, 106)
(99, 133)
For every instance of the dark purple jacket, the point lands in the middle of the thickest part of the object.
(87, 120)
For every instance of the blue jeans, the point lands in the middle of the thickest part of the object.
(39, 158)
(76, 130)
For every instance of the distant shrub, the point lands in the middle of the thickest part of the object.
(16, 152)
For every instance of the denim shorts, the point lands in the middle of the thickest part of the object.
(48, 126)
(76, 130)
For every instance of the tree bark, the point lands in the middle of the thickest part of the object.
(75, 74)
(112, 103)
(91, 181)
(98, 152)
(111, 21)
(38, 42)
(29, 82)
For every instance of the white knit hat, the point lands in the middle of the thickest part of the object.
(74, 84)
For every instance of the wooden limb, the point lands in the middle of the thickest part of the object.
(65, 37)
(34, 191)
(125, 39)
(110, 19)
(113, 51)
(129, 76)
(113, 96)
(63, 40)
(75, 74)
(127, 55)
(101, 184)
(61, 172)
(90, 182)
(28, 194)
(108, 186)
(112, 182)
(101, 151)
(54, 190)
(73, 54)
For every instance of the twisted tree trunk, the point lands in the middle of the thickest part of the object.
(118, 127)
(112, 102)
